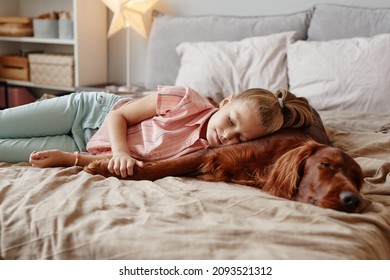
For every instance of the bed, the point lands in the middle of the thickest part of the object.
(66, 213)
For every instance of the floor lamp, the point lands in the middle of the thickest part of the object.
(130, 14)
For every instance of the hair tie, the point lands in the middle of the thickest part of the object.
(280, 100)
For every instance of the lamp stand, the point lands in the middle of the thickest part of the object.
(128, 87)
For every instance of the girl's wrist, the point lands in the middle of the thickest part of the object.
(69, 159)
(117, 153)
(76, 158)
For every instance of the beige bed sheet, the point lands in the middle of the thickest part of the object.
(65, 213)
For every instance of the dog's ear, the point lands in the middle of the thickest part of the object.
(286, 173)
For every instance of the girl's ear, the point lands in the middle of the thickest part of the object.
(225, 101)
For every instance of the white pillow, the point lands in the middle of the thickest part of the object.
(347, 74)
(218, 69)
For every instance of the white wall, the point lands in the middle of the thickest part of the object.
(117, 44)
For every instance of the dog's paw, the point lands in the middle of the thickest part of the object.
(99, 167)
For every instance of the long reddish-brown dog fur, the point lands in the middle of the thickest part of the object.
(296, 164)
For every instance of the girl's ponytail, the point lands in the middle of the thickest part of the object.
(296, 110)
(274, 111)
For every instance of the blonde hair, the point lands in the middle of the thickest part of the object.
(275, 111)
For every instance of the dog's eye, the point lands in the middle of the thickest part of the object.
(325, 164)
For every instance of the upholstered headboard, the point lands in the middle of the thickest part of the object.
(221, 55)
(168, 32)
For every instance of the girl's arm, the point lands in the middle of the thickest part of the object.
(118, 121)
(56, 158)
(121, 162)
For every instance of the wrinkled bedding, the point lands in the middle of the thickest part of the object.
(65, 213)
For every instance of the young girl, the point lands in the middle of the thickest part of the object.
(170, 122)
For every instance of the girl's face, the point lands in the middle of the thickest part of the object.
(233, 123)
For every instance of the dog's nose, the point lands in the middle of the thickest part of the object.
(350, 200)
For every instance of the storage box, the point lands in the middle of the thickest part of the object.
(16, 96)
(52, 69)
(14, 67)
(16, 26)
(45, 28)
(65, 29)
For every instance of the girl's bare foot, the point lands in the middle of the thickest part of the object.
(51, 158)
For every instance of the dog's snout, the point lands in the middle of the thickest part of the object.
(350, 200)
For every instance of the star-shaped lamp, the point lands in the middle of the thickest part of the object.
(134, 14)
(130, 13)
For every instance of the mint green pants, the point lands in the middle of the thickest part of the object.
(65, 123)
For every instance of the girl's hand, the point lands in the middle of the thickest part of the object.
(51, 158)
(123, 164)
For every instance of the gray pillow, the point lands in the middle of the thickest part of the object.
(162, 62)
(331, 22)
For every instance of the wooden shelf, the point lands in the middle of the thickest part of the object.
(37, 40)
(33, 85)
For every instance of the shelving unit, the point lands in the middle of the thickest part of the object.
(37, 40)
(89, 45)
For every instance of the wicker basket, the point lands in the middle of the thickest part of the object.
(52, 69)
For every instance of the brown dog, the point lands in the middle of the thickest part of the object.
(296, 164)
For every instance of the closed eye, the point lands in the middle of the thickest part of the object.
(231, 122)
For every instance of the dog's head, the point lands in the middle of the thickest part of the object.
(320, 175)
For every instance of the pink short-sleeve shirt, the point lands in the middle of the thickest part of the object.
(174, 131)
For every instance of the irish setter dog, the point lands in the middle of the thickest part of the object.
(296, 164)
